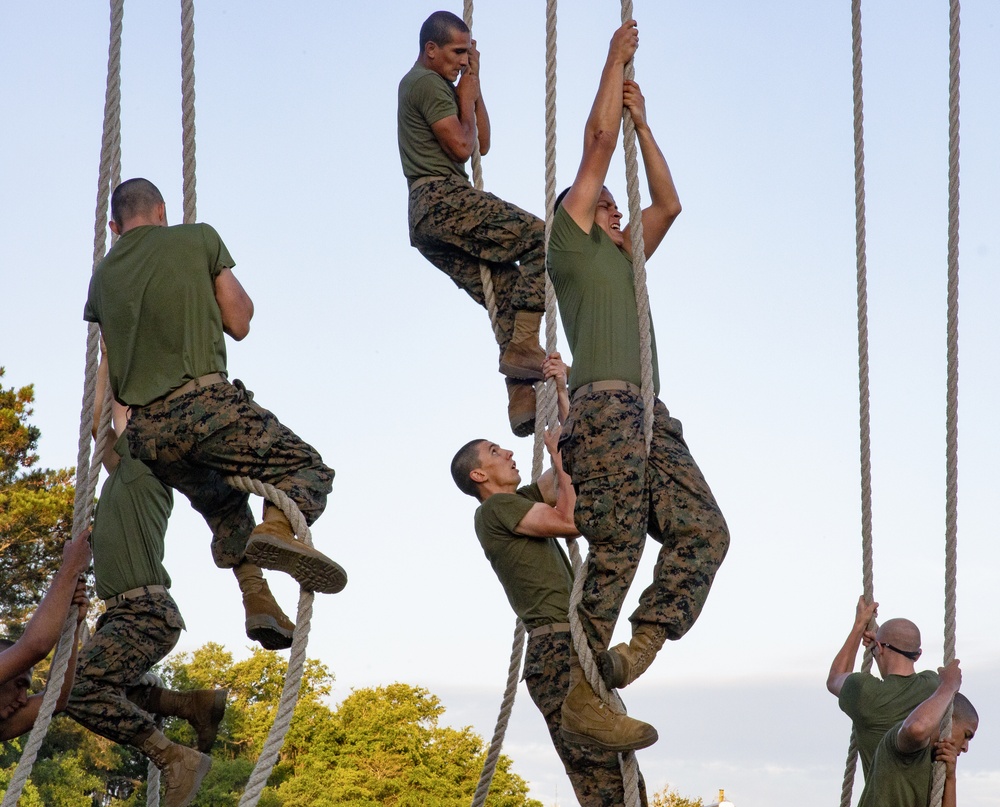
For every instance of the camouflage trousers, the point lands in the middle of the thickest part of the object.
(622, 496)
(456, 227)
(194, 441)
(595, 773)
(130, 639)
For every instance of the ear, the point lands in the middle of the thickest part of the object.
(430, 49)
(161, 213)
(113, 226)
(478, 475)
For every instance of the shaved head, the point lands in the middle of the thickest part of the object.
(464, 463)
(964, 711)
(901, 634)
(134, 197)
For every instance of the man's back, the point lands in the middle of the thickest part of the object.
(875, 705)
(897, 779)
(154, 298)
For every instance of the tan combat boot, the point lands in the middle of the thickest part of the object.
(202, 708)
(521, 407)
(182, 768)
(273, 545)
(524, 356)
(588, 721)
(623, 663)
(266, 623)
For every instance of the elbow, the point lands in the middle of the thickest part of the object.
(240, 331)
(674, 208)
(602, 141)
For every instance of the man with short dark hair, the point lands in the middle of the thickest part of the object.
(623, 490)
(164, 298)
(901, 771)
(457, 227)
(518, 529)
(876, 704)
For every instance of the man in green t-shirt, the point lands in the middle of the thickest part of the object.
(141, 623)
(455, 226)
(165, 297)
(623, 491)
(902, 769)
(518, 529)
(876, 704)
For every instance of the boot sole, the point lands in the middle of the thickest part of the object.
(612, 670)
(313, 570)
(521, 373)
(266, 631)
(585, 739)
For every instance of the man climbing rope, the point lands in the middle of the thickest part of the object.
(164, 297)
(454, 225)
(18, 710)
(876, 704)
(902, 771)
(621, 492)
(141, 623)
(518, 528)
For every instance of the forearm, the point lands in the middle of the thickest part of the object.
(562, 399)
(482, 126)
(843, 662)
(950, 797)
(45, 626)
(565, 492)
(606, 113)
(69, 678)
(923, 722)
(662, 192)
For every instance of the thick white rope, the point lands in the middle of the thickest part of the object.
(296, 660)
(638, 252)
(86, 472)
(187, 112)
(545, 393)
(864, 390)
(951, 450)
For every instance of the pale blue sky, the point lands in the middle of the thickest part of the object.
(371, 354)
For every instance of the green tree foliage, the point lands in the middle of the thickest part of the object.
(669, 797)
(381, 747)
(36, 511)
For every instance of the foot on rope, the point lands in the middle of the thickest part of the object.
(272, 545)
(623, 663)
(183, 768)
(266, 623)
(586, 720)
(524, 356)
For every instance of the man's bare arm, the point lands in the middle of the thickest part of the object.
(456, 134)
(545, 520)
(665, 204)
(234, 303)
(843, 662)
(600, 135)
(923, 722)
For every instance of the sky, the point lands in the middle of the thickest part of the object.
(373, 356)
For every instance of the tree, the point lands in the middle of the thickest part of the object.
(36, 511)
(671, 798)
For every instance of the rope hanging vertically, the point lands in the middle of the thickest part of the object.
(864, 391)
(187, 112)
(951, 448)
(87, 471)
(638, 252)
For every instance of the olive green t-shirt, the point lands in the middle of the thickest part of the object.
(875, 705)
(534, 572)
(129, 527)
(593, 282)
(898, 779)
(154, 298)
(425, 97)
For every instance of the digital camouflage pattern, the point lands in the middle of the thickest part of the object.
(456, 227)
(130, 639)
(621, 497)
(594, 772)
(192, 442)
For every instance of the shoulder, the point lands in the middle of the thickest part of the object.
(856, 686)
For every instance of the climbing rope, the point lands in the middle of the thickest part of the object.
(951, 449)
(638, 253)
(864, 391)
(187, 112)
(546, 397)
(87, 471)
